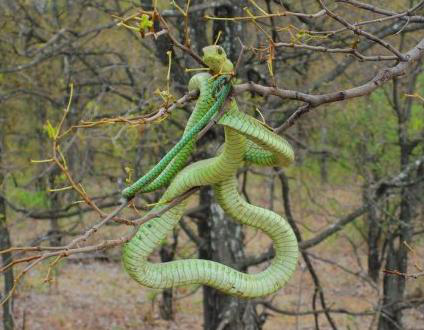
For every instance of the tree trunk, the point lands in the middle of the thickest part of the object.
(374, 234)
(222, 237)
(167, 253)
(397, 252)
(223, 242)
(397, 259)
(323, 158)
(8, 322)
(8, 275)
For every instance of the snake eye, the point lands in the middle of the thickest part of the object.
(219, 50)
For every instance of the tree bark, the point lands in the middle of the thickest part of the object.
(323, 159)
(397, 251)
(397, 259)
(222, 237)
(8, 322)
(167, 253)
(374, 234)
(223, 242)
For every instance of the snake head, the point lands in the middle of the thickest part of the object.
(216, 59)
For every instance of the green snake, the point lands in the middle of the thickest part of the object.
(247, 141)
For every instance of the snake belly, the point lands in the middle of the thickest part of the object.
(246, 141)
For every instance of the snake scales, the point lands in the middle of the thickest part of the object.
(247, 141)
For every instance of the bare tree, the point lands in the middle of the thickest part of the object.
(8, 322)
(301, 63)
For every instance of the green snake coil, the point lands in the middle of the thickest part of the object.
(247, 141)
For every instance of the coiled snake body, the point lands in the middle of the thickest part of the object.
(246, 141)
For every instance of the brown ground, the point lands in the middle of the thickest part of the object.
(95, 295)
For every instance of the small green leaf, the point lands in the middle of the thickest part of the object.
(50, 130)
(145, 22)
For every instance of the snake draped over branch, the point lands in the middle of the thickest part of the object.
(247, 142)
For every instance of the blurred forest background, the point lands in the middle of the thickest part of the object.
(354, 195)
